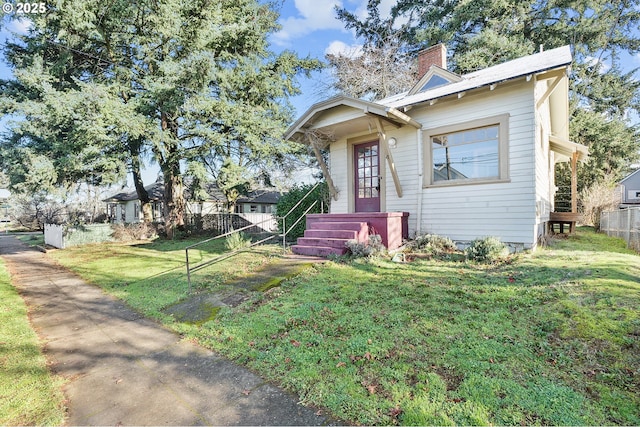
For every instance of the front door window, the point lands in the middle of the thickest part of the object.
(367, 177)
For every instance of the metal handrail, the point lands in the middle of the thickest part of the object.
(226, 255)
(229, 254)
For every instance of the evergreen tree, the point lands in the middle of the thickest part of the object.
(181, 80)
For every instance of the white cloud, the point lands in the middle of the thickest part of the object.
(314, 15)
(337, 47)
(384, 8)
(19, 26)
(602, 66)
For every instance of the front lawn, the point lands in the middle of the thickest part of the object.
(551, 338)
(151, 275)
(29, 394)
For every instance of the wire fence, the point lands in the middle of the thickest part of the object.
(222, 223)
(624, 223)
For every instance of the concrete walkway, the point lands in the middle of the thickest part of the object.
(123, 369)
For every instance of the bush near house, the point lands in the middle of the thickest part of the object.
(320, 195)
(551, 338)
(486, 249)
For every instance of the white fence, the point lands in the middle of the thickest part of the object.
(623, 223)
(54, 235)
(64, 236)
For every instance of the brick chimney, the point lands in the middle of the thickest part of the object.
(435, 55)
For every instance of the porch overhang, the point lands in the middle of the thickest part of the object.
(351, 115)
(567, 149)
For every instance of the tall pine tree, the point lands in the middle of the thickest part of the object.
(179, 80)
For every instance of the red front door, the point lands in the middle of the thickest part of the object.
(367, 176)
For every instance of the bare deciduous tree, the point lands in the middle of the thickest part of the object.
(375, 71)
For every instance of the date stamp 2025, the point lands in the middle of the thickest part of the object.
(24, 8)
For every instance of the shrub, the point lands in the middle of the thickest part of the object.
(487, 249)
(601, 196)
(289, 200)
(370, 249)
(237, 240)
(129, 232)
(432, 244)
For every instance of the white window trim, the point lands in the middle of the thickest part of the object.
(501, 120)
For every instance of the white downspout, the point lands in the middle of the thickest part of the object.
(420, 180)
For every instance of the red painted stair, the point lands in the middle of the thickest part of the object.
(324, 238)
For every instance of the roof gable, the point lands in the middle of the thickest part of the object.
(632, 177)
(433, 78)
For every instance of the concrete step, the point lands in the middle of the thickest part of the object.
(330, 225)
(322, 241)
(333, 234)
(321, 251)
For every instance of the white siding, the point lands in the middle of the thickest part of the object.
(404, 156)
(544, 162)
(465, 212)
(507, 209)
(339, 173)
(130, 207)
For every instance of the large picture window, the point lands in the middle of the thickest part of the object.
(470, 152)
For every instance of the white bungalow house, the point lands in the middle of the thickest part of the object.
(258, 201)
(463, 156)
(124, 207)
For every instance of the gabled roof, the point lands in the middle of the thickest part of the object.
(517, 68)
(390, 108)
(266, 197)
(628, 177)
(434, 77)
(360, 106)
(156, 193)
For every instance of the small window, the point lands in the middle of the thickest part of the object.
(471, 152)
(136, 210)
(434, 82)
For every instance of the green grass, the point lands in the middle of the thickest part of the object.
(29, 395)
(550, 338)
(32, 239)
(151, 276)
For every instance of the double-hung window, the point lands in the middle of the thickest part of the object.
(471, 152)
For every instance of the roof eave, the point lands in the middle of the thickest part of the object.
(480, 86)
(367, 107)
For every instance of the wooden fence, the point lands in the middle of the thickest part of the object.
(623, 223)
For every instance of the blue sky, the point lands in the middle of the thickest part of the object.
(309, 27)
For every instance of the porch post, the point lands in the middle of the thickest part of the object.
(574, 188)
(574, 182)
(389, 157)
(325, 169)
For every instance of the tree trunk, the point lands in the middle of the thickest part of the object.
(174, 203)
(143, 195)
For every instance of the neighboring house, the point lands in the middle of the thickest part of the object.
(124, 207)
(463, 156)
(630, 190)
(259, 201)
(4, 205)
